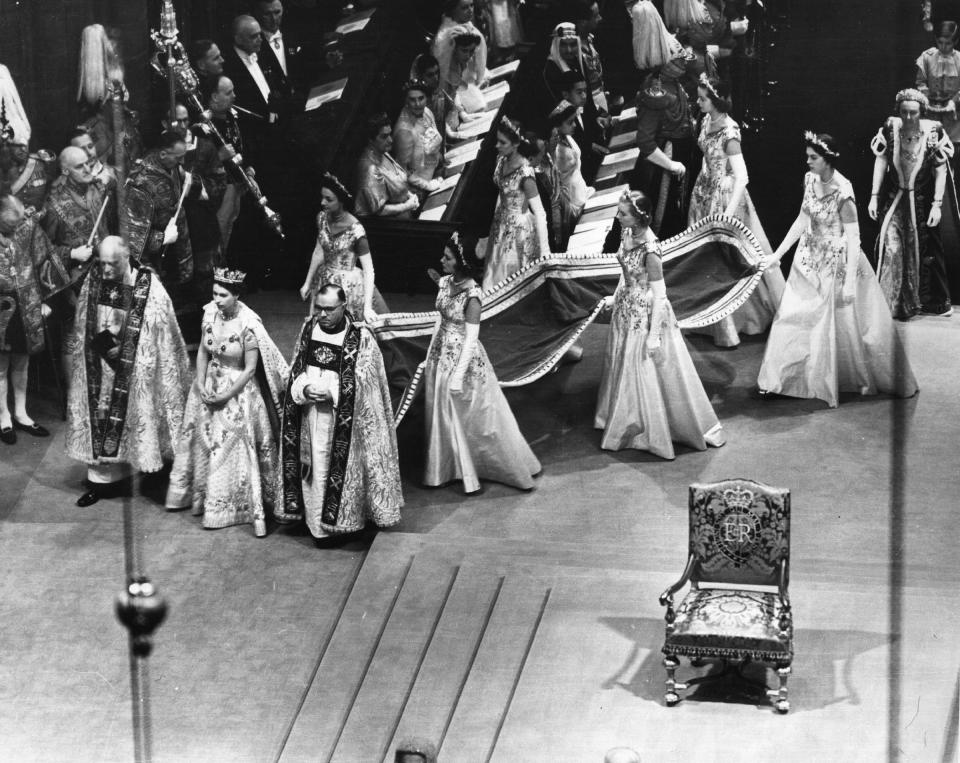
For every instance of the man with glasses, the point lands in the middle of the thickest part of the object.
(338, 447)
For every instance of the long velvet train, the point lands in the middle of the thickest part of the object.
(532, 318)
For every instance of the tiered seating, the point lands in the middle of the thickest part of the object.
(404, 249)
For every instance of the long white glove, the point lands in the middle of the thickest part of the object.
(368, 287)
(738, 167)
(540, 221)
(470, 340)
(658, 316)
(851, 232)
(792, 237)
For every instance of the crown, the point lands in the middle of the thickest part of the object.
(814, 140)
(912, 94)
(738, 498)
(225, 275)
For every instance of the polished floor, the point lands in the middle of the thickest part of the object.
(512, 626)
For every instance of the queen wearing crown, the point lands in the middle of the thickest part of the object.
(225, 462)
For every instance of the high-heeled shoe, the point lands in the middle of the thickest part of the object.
(8, 436)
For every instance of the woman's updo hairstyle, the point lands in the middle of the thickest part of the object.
(332, 183)
(376, 123)
(640, 206)
(947, 29)
(824, 144)
(718, 92)
(422, 63)
(514, 132)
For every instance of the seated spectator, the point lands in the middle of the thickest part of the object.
(572, 190)
(589, 130)
(381, 182)
(461, 70)
(417, 144)
(447, 108)
(564, 56)
(457, 15)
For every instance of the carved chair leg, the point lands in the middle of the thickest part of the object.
(779, 695)
(671, 663)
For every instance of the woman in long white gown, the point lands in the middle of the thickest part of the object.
(572, 190)
(225, 462)
(342, 254)
(518, 233)
(833, 332)
(721, 188)
(650, 393)
(470, 430)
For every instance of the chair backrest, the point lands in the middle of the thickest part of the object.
(739, 532)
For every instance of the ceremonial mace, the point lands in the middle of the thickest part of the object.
(168, 36)
(139, 607)
(180, 75)
(141, 610)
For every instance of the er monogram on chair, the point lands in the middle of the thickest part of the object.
(737, 609)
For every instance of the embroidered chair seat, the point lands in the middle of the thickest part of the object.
(717, 622)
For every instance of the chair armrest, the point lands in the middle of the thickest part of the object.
(786, 614)
(666, 598)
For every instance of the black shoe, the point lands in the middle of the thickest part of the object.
(35, 429)
(89, 498)
(8, 436)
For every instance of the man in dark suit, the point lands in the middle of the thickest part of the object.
(257, 89)
(259, 100)
(282, 52)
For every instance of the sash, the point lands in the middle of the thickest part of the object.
(342, 429)
(107, 433)
(21, 182)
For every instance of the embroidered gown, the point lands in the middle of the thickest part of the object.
(340, 266)
(819, 347)
(711, 195)
(911, 261)
(645, 404)
(226, 460)
(471, 434)
(573, 189)
(513, 239)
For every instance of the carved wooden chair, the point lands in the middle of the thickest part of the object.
(737, 609)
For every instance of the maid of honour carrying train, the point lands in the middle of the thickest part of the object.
(833, 332)
(650, 394)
